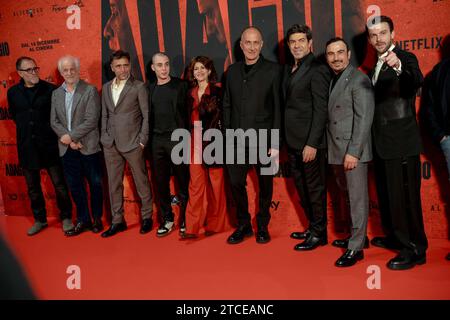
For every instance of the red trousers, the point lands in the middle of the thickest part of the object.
(207, 205)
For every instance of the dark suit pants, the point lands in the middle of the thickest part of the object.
(310, 182)
(161, 148)
(77, 168)
(238, 181)
(33, 180)
(403, 179)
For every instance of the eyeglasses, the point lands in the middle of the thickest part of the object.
(31, 70)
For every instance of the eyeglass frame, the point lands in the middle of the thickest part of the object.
(30, 70)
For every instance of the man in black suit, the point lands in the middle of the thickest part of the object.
(397, 145)
(168, 112)
(37, 145)
(305, 88)
(436, 104)
(252, 101)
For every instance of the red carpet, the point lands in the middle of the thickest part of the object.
(134, 266)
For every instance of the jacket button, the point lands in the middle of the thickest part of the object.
(33, 136)
(335, 122)
(31, 123)
(337, 138)
(338, 106)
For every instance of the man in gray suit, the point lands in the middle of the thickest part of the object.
(350, 113)
(74, 117)
(124, 134)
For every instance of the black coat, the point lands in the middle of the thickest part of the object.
(180, 89)
(210, 108)
(37, 143)
(252, 100)
(395, 130)
(306, 104)
(436, 100)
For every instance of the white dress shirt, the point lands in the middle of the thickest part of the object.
(380, 62)
(116, 89)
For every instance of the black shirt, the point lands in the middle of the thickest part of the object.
(335, 79)
(30, 92)
(163, 101)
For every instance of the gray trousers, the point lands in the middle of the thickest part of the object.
(355, 184)
(115, 166)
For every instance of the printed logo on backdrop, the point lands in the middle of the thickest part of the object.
(4, 115)
(64, 6)
(427, 43)
(13, 170)
(7, 144)
(41, 44)
(28, 13)
(4, 49)
(426, 170)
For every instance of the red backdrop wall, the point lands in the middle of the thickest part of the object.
(46, 30)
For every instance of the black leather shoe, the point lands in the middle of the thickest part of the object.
(385, 242)
(97, 226)
(262, 236)
(406, 261)
(311, 243)
(79, 228)
(239, 234)
(343, 243)
(114, 228)
(300, 235)
(146, 226)
(349, 258)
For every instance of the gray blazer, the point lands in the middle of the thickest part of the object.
(350, 114)
(85, 117)
(126, 124)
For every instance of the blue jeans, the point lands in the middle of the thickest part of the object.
(77, 168)
(445, 146)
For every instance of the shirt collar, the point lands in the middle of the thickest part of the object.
(64, 86)
(121, 82)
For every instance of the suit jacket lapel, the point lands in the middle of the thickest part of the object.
(304, 67)
(124, 92)
(61, 105)
(110, 102)
(340, 85)
(79, 91)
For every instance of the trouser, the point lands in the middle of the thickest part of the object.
(161, 149)
(354, 183)
(33, 180)
(207, 200)
(115, 167)
(77, 168)
(310, 182)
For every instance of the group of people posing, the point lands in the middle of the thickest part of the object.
(329, 115)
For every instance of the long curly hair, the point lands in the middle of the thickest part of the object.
(209, 65)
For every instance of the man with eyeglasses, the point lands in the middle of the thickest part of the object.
(37, 145)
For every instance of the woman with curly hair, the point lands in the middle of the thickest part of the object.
(207, 201)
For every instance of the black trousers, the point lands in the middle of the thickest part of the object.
(161, 149)
(310, 182)
(33, 180)
(238, 182)
(398, 187)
